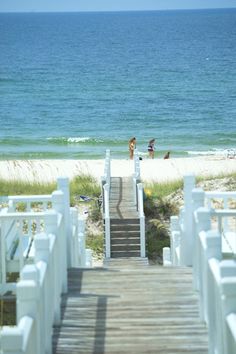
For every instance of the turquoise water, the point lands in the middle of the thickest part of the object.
(74, 84)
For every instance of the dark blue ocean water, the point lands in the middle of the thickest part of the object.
(74, 84)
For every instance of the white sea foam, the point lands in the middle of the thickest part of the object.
(214, 152)
(78, 139)
(70, 139)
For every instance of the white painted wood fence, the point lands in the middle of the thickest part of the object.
(205, 238)
(138, 201)
(106, 184)
(58, 243)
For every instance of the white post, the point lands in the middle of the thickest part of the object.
(58, 205)
(3, 269)
(12, 340)
(103, 182)
(88, 257)
(63, 185)
(74, 243)
(142, 220)
(81, 242)
(174, 239)
(228, 273)
(186, 242)
(42, 254)
(166, 257)
(203, 224)
(107, 221)
(210, 248)
(135, 189)
(136, 164)
(27, 305)
(198, 196)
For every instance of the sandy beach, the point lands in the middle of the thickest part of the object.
(157, 170)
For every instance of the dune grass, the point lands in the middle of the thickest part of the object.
(80, 185)
(161, 190)
(25, 188)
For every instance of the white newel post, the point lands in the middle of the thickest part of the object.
(63, 185)
(82, 242)
(203, 224)
(166, 257)
(142, 220)
(58, 205)
(210, 248)
(75, 241)
(136, 165)
(103, 182)
(174, 239)
(11, 341)
(42, 256)
(3, 270)
(198, 196)
(186, 241)
(107, 221)
(28, 305)
(228, 274)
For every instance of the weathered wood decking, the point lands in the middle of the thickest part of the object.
(124, 219)
(122, 204)
(129, 307)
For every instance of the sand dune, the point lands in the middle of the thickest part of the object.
(151, 170)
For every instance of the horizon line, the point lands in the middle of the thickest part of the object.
(112, 11)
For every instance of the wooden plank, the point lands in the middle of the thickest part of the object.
(130, 307)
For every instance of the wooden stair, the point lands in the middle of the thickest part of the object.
(124, 219)
(129, 307)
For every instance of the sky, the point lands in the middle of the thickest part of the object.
(109, 5)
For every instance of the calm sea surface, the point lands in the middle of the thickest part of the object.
(74, 84)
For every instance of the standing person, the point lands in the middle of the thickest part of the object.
(132, 146)
(151, 148)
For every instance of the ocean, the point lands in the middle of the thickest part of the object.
(75, 84)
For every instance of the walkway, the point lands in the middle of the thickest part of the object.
(130, 307)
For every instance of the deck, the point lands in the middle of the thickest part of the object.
(130, 307)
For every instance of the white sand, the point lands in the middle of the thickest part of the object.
(151, 170)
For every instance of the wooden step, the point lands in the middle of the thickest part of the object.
(123, 240)
(124, 227)
(128, 221)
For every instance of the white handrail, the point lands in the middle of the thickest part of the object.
(38, 297)
(136, 165)
(42, 283)
(193, 199)
(142, 220)
(107, 220)
(213, 277)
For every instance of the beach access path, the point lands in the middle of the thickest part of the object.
(156, 170)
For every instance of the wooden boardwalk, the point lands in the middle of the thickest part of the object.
(130, 307)
(124, 219)
(122, 199)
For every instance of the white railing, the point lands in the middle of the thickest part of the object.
(42, 281)
(106, 183)
(209, 236)
(136, 176)
(215, 281)
(18, 230)
(38, 299)
(142, 220)
(138, 200)
(182, 232)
